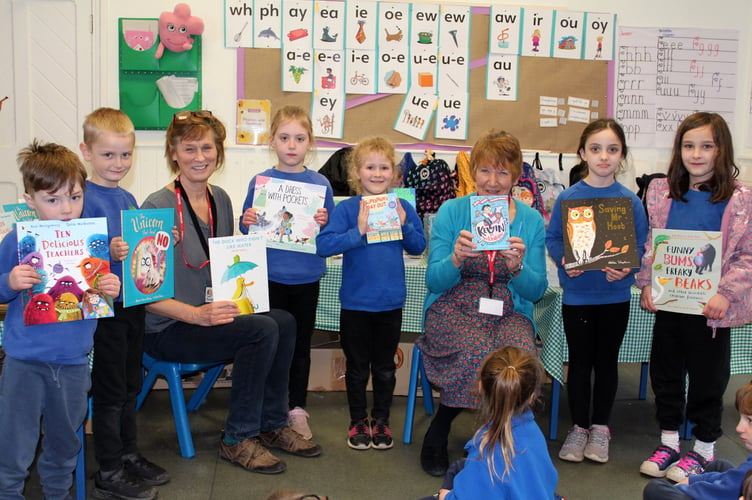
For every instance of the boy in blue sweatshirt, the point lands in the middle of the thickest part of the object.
(45, 379)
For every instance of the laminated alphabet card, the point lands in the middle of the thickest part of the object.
(70, 257)
(505, 30)
(599, 233)
(362, 19)
(329, 25)
(148, 273)
(297, 46)
(285, 211)
(686, 269)
(383, 219)
(502, 77)
(489, 218)
(415, 115)
(568, 34)
(537, 32)
(600, 36)
(239, 271)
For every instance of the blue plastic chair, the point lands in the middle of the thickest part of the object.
(417, 375)
(172, 372)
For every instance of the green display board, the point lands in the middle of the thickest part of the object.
(140, 97)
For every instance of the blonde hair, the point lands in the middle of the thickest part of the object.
(107, 121)
(50, 167)
(497, 148)
(510, 380)
(357, 156)
(292, 113)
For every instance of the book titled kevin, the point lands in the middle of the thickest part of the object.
(148, 274)
(70, 257)
(489, 218)
(285, 211)
(686, 269)
(599, 233)
(383, 219)
(239, 271)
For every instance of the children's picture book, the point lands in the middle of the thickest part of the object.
(148, 274)
(7, 220)
(285, 211)
(599, 233)
(21, 211)
(405, 193)
(686, 269)
(70, 257)
(489, 218)
(239, 271)
(383, 219)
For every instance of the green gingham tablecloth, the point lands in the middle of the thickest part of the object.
(637, 341)
(327, 313)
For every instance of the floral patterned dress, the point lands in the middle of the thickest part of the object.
(458, 337)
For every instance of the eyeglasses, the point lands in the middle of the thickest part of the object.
(185, 115)
(313, 497)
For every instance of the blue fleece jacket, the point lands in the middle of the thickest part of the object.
(373, 275)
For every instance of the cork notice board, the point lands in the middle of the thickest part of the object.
(538, 76)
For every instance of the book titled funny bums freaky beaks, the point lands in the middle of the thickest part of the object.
(70, 257)
(148, 274)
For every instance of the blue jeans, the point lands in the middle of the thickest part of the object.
(260, 346)
(55, 394)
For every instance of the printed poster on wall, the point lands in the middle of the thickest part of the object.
(70, 257)
(599, 233)
(505, 30)
(415, 115)
(451, 117)
(600, 36)
(502, 77)
(686, 269)
(537, 32)
(393, 47)
(568, 34)
(297, 46)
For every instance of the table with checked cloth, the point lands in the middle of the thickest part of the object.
(327, 313)
(637, 341)
(634, 349)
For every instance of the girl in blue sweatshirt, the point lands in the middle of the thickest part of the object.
(373, 290)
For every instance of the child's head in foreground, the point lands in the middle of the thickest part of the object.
(510, 380)
(744, 407)
(54, 179)
(109, 140)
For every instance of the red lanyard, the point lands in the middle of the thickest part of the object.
(179, 196)
(491, 256)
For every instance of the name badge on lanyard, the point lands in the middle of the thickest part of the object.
(489, 305)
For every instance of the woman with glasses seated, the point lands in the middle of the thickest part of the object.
(191, 328)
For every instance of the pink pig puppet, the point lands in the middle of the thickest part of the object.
(176, 28)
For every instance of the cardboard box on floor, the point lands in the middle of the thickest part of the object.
(327, 371)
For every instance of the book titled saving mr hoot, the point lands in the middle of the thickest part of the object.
(148, 274)
(70, 257)
(285, 211)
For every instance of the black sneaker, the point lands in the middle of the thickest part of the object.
(148, 472)
(359, 437)
(381, 434)
(121, 486)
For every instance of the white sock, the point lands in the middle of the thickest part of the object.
(706, 450)
(670, 439)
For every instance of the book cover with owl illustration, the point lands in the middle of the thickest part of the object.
(489, 221)
(599, 233)
(239, 271)
(686, 269)
(70, 257)
(285, 211)
(148, 273)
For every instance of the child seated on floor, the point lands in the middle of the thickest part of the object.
(720, 479)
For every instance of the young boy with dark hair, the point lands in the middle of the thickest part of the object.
(45, 378)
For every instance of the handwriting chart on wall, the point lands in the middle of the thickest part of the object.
(666, 74)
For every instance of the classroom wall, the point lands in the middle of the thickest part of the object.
(219, 82)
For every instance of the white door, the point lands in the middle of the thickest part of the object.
(46, 73)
